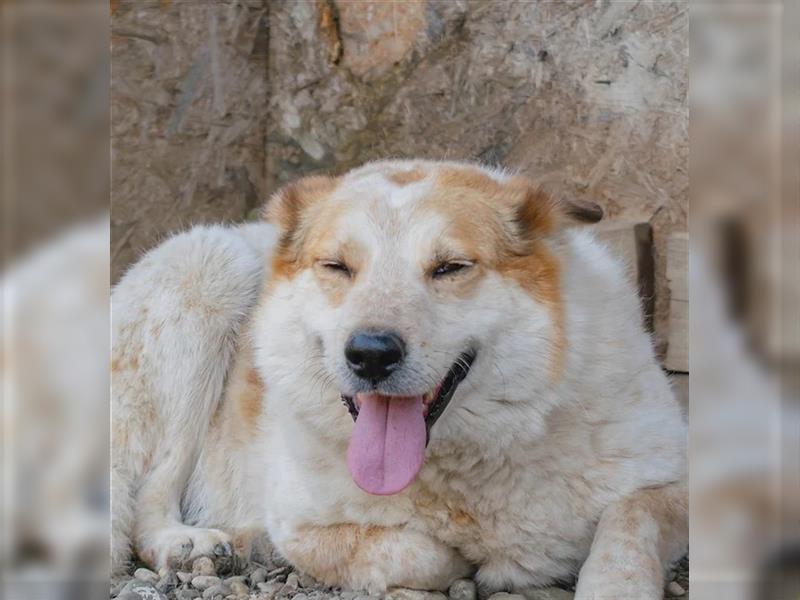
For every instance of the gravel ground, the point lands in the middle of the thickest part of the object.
(270, 577)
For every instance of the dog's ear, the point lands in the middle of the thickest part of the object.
(286, 207)
(538, 213)
(581, 211)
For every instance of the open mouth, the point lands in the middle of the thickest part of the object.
(387, 447)
(435, 401)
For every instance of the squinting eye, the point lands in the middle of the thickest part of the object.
(449, 268)
(336, 266)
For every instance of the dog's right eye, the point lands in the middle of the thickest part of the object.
(336, 266)
(450, 268)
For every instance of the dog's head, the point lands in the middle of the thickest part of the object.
(406, 289)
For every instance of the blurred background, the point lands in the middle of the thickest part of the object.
(184, 112)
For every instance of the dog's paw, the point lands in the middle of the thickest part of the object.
(177, 547)
(601, 582)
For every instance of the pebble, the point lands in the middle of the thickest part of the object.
(463, 589)
(184, 577)
(218, 589)
(168, 581)
(138, 590)
(202, 582)
(550, 593)
(270, 588)
(146, 575)
(506, 596)
(300, 597)
(116, 589)
(238, 588)
(307, 581)
(675, 588)
(292, 583)
(258, 576)
(275, 572)
(406, 594)
(187, 594)
(203, 566)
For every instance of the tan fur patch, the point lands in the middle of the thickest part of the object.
(320, 244)
(539, 273)
(285, 210)
(476, 206)
(466, 177)
(244, 399)
(406, 177)
(328, 553)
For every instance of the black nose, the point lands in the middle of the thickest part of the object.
(373, 355)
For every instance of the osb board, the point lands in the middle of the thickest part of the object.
(189, 96)
(587, 97)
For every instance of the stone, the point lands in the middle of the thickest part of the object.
(406, 594)
(270, 588)
(675, 589)
(258, 576)
(168, 581)
(549, 593)
(238, 588)
(116, 588)
(506, 596)
(203, 566)
(139, 590)
(145, 575)
(184, 577)
(463, 589)
(216, 590)
(187, 594)
(292, 583)
(202, 582)
(276, 572)
(306, 580)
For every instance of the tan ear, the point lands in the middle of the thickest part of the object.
(582, 211)
(286, 207)
(538, 213)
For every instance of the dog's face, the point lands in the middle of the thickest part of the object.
(400, 284)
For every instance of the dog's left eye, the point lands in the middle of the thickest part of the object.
(450, 267)
(335, 266)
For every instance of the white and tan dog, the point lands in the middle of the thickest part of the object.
(414, 372)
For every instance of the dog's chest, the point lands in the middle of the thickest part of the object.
(520, 516)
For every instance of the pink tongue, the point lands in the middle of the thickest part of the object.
(388, 443)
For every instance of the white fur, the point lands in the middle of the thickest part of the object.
(534, 463)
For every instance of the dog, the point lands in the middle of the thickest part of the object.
(411, 373)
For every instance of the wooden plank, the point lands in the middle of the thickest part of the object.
(677, 358)
(680, 387)
(632, 242)
(677, 265)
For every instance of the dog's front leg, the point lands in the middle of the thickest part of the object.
(637, 539)
(373, 558)
(161, 538)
